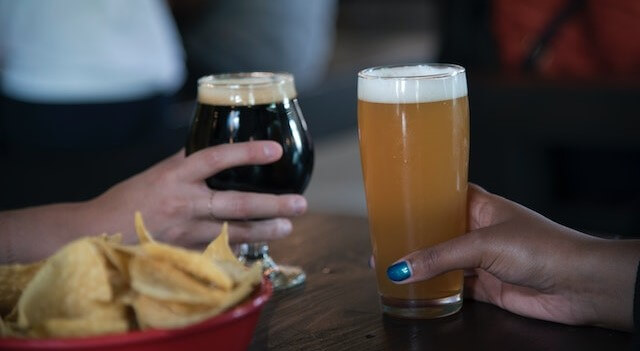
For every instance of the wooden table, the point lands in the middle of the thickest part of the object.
(338, 307)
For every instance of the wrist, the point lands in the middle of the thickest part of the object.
(7, 254)
(105, 215)
(34, 233)
(611, 287)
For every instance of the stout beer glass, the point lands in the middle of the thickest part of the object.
(413, 124)
(256, 106)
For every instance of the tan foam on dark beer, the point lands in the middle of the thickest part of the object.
(412, 84)
(246, 91)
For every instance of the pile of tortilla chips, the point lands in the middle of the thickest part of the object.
(97, 285)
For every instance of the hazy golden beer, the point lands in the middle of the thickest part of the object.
(413, 126)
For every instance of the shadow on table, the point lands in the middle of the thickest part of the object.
(278, 300)
(484, 324)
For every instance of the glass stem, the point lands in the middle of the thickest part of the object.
(282, 277)
(254, 251)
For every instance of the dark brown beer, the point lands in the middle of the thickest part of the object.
(264, 108)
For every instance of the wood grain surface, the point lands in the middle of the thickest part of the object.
(338, 307)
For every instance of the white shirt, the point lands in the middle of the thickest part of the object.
(73, 51)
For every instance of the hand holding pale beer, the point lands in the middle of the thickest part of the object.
(414, 126)
(532, 266)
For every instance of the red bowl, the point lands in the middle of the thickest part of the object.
(231, 330)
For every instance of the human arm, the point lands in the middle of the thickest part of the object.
(174, 200)
(532, 266)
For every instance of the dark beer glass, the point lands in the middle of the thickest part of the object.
(240, 107)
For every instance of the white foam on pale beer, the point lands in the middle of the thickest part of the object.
(412, 84)
(246, 89)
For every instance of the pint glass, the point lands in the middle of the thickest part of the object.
(413, 125)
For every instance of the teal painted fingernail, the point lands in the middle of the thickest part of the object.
(399, 271)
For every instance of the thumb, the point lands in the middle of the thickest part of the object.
(463, 252)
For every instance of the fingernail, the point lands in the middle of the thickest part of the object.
(399, 271)
(268, 151)
(299, 205)
(284, 227)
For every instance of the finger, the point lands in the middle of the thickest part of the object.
(254, 231)
(472, 290)
(243, 205)
(487, 212)
(470, 273)
(463, 252)
(485, 209)
(482, 287)
(521, 300)
(212, 160)
(203, 232)
(477, 188)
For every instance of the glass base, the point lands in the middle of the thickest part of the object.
(422, 309)
(285, 277)
(281, 276)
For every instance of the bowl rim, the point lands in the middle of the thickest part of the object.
(254, 303)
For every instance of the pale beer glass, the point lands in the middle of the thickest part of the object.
(413, 125)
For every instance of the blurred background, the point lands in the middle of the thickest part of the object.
(553, 88)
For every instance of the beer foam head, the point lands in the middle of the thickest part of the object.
(245, 89)
(412, 84)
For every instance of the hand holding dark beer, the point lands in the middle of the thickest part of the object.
(532, 266)
(183, 210)
(174, 199)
